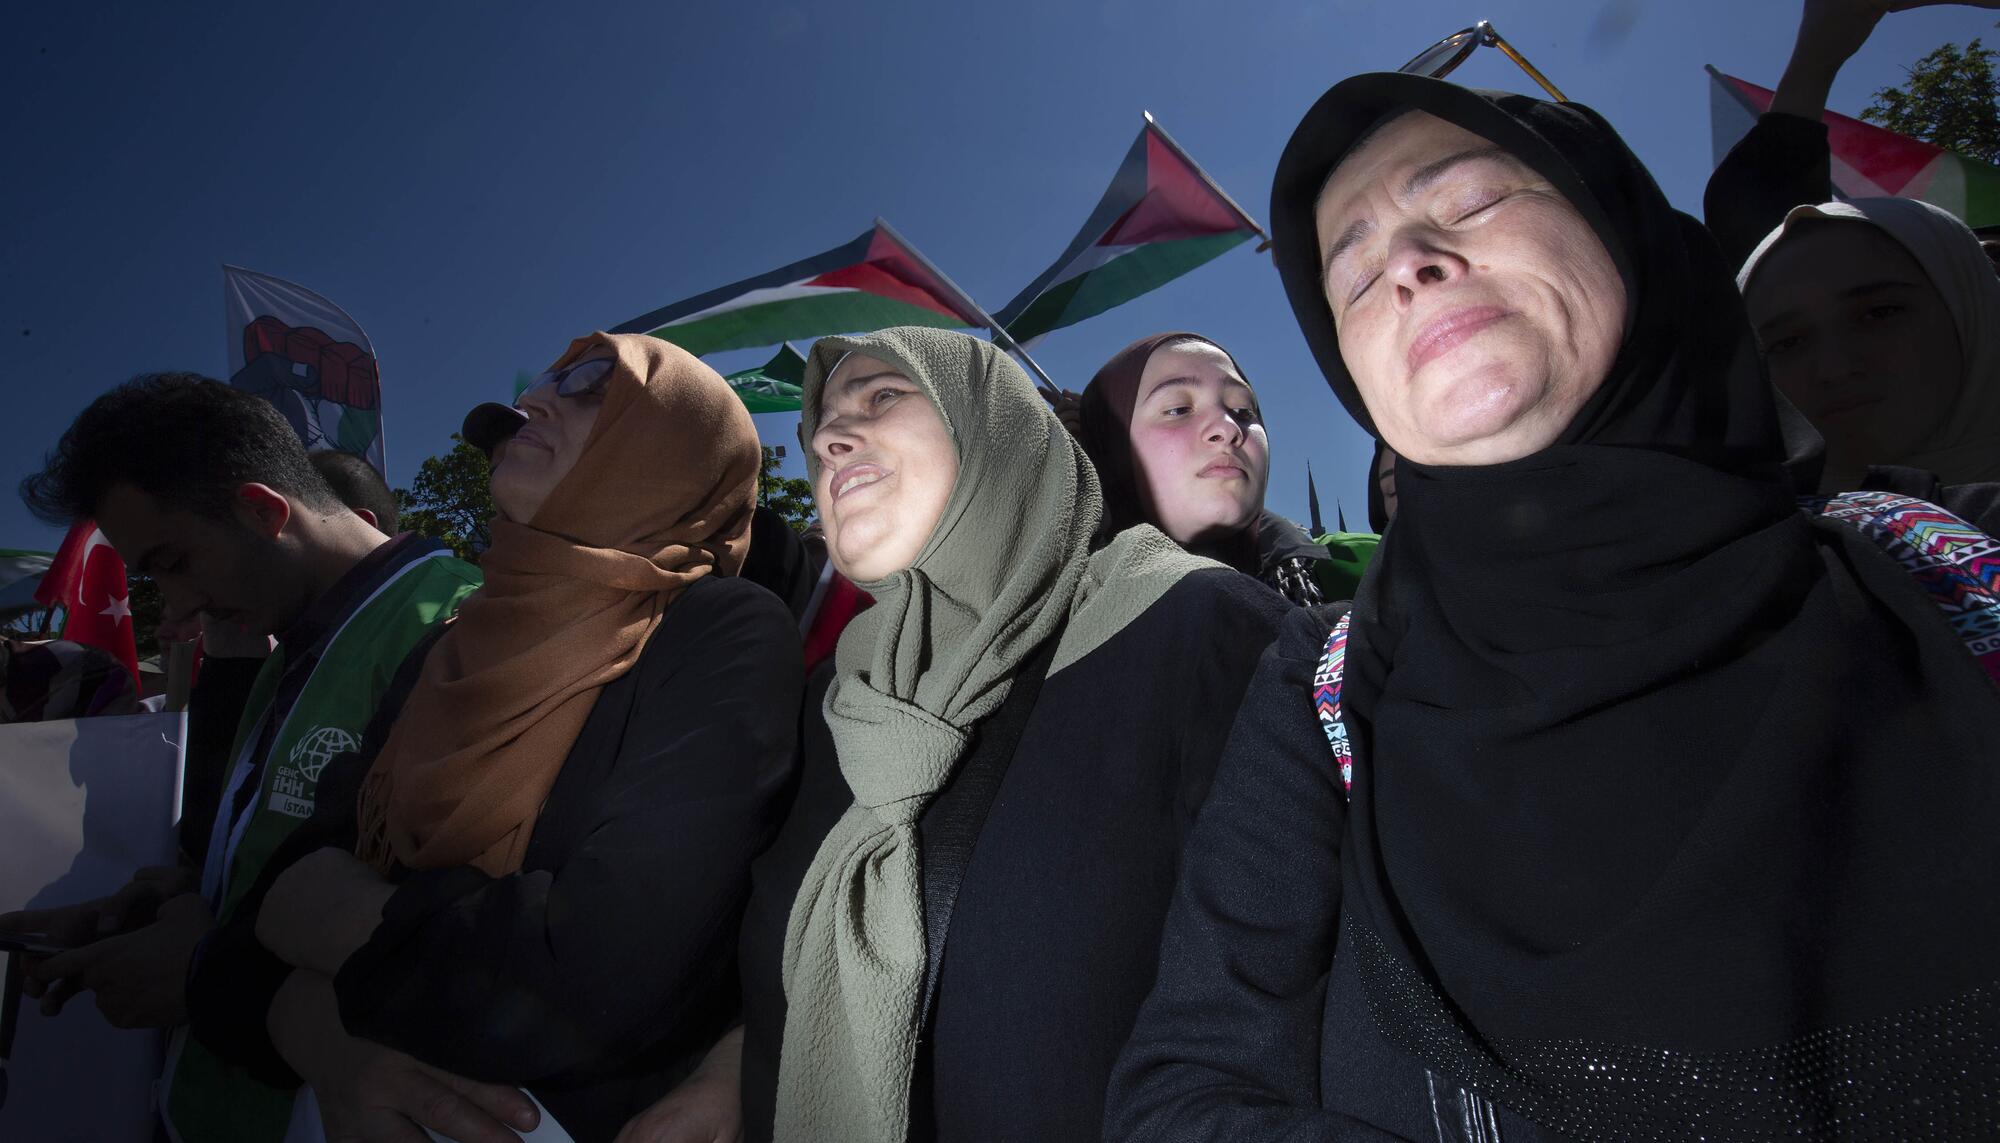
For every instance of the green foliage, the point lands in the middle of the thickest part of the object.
(147, 606)
(789, 496)
(449, 500)
(1949, 100)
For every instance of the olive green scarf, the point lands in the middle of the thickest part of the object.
(1007, 566)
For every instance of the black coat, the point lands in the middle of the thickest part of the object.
(1258, 1027)
(1054, 937)
(1976, 504)
(600, 974)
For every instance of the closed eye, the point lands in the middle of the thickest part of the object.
(1783, 345)
(1487, 205)
(1362, 288)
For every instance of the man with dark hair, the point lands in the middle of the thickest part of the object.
(358, 486)
(207, 490)
(232, 657)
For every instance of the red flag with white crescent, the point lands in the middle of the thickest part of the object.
(87, 580)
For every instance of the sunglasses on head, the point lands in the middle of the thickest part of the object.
(581, 379)
(1441, 58)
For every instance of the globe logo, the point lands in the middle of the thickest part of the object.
(317, 746)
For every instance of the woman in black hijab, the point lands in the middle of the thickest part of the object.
(1174, 431)
(1672, 805)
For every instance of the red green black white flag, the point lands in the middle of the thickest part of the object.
(1161, 217)
(871, 283)
(1869, 161)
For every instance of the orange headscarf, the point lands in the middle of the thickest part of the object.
(660, 496)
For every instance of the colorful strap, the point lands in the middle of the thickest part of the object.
(1326, 700)
(1956, 563)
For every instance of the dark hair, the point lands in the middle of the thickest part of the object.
(186, 440)
(357, 484)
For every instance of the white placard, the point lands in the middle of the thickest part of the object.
(83, 803)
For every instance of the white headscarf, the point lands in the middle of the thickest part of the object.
(1965, 447)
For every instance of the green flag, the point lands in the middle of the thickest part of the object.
(772, 387)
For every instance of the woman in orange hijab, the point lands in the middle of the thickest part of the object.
(548, 852)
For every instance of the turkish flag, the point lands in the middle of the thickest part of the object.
(87, 580)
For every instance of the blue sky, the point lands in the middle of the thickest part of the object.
(479, 183)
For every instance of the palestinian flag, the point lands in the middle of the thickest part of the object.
(1869, 161)
(773, 387)
(1161, 217)
(871, 283)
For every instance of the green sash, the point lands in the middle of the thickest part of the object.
(207, 1098)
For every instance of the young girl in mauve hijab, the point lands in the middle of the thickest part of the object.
(1178, 441)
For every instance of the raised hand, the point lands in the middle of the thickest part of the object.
(1830, 32)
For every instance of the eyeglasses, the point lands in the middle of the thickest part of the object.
(1438, 60)
(581, 379)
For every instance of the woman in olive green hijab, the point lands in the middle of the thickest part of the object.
(952, 494)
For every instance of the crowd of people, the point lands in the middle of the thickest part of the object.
(1634, 780)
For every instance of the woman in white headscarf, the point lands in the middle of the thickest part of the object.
(1880, 320)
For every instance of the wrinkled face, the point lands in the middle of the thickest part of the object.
(1476, 309)
(1855, 335)
(528, 465)
(887, 467)
(1385, 479)
(1198, 443)
(233, 569)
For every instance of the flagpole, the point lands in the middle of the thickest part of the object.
(1211, 183)
(1001, 337)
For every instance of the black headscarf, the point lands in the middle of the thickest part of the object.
(778, 561)
(1271, 548)
(1673, 809)
(1378, 504)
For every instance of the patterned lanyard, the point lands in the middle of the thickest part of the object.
(1956, 564)
(1326, 700)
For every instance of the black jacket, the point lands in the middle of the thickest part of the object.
(1257, 1027)
(1055, 932)
(600, 974)
(1976, 504)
